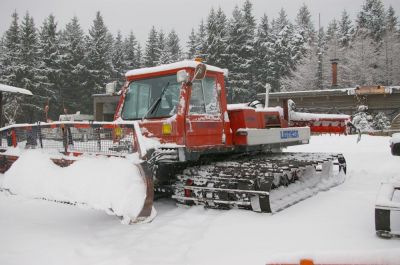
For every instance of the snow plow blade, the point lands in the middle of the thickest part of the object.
(86, 154)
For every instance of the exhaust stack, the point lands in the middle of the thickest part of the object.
(334, 72)
(267, 89)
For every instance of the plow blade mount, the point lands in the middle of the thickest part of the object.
(99, 165)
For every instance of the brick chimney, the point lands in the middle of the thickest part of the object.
(334, 72)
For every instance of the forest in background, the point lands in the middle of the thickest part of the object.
(63, 67)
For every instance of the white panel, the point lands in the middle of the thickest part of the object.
(395, 221)
(277, 135)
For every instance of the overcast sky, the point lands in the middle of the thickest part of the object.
(182, 15)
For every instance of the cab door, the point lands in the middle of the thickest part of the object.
(204, 122)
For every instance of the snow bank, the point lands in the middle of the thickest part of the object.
(114, 185)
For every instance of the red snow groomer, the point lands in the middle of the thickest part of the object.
(207, 152)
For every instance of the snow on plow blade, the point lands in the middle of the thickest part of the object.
(96, 164)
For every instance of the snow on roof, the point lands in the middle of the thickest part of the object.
(302, 116)
(385, 196)
(238, 106)
(172, 66)
(12, 89)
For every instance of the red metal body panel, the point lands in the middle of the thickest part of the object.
(337, 126)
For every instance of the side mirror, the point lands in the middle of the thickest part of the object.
(182, 76)
(200, 72)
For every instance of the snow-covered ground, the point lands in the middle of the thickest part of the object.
(333, 226)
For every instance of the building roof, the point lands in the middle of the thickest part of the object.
(326, 92)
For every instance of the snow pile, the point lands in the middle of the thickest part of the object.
(114, 185)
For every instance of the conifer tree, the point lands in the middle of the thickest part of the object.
(10, 69)
(131, 52)
(216, 38)
(49, 64)
(201, 42)
(98, 59)
(262, 55)
(75, 74)
(151, 56)
(118, 59)
(346, 29)
(371, 19)
(191, 45)
(173, 47)
(28, 63)
(305, 26)
(161, 51)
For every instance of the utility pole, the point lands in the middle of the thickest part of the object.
(320, 44)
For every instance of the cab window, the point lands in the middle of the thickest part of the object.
(204, 98)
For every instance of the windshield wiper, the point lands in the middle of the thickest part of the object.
(156, 103)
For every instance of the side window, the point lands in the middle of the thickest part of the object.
(197, 104)
(211, 96)
(204, 97)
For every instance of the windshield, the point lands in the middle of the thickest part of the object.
(142, 94)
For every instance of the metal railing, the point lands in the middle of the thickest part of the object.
(72, 137)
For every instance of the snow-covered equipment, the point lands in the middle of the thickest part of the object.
(395, 144)
(175, 126)
(319, 122)
(387, 210)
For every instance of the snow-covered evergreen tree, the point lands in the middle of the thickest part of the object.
(285, 49)
(217, 38)
(131, 52)
(238, 81)
(28, 64)
(118, 58)
(380, 121)
(139, 56)
(332, 31)
(305, 26)
(99, 54)
(201, 42)
(262, 55)
(371, 19)
(391, 44)
(162, 51)
(49, 65)
(151, 55)
(362, 119)
(75, 74)
(346, 29)
(191, 45)
(173, 47)
(98, 59)
(10, 69)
